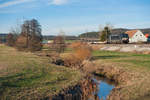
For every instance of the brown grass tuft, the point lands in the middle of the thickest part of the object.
(81, 52)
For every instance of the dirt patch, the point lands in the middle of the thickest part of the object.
(135, 48)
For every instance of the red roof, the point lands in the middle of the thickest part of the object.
(131, 33)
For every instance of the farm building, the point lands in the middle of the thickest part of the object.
(136, 36)
(3, 37)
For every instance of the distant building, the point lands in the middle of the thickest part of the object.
(3, 37)
(136, 36)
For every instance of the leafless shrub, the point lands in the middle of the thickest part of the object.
(35, 44)
(21, 43)
(146, 52)
(11, 39)
(81, 52)
(70, 60)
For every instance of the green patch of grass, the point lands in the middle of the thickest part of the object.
(133, 70)
(138, 60)
(70, 41)
(25, 75)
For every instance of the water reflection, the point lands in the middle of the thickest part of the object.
(104, 90)
(105, 86)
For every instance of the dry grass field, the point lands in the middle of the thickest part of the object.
(24, 75)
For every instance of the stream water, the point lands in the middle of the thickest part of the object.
(104, 86)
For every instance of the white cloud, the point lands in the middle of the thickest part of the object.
(58, 2)
(14, 2)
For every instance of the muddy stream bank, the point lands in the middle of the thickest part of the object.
(90, 88)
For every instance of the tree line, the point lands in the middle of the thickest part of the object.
(30, 38)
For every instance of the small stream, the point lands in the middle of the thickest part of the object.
(104, 86)
(91, 88)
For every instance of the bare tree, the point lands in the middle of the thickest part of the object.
(13, 34)
(11, 39)
(16, 29)
(59, 44)
(31, 35)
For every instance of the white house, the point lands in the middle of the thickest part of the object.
(136, 36)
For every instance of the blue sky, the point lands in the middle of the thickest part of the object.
(75, 16)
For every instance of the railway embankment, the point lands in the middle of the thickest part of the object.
(137, 48)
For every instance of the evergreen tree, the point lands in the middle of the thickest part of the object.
(105, 34)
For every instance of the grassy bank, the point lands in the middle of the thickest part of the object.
(132, 71)
(128, 59)
(27, 76)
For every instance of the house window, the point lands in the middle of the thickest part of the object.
(140, 35)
